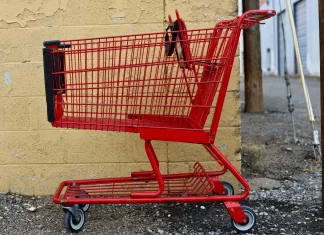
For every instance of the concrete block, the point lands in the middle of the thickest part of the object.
(26, 44)
(14, 114)
(231, 110)
(4, 183)
(21, 179)
(125, 169)
(112, 12)
(48, 177)
(96, 146)
(22, 79)
(179, 167)
(38, 114)
(20, 14)
(234, 82)
(198, 11)
(32, 147)
(228, 141)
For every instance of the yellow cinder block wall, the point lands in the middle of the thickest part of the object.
(34, 157)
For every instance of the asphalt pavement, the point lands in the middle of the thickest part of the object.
(275, 93)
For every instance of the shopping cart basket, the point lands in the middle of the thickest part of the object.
(167, 86)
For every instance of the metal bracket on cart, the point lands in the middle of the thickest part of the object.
(235, 211)
(218, 186)
(74, 210)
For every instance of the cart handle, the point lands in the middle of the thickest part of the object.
(249, 18)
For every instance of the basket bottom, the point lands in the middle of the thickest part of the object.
(194, 184)
(132, 121)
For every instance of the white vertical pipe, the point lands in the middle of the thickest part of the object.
(302, 77)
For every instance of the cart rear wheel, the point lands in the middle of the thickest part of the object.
(84, 207)
(74, 223)
(251, 221)
(228, 188)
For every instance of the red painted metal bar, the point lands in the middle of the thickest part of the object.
(131, 179)
(142, 174)
(218, 187)
(231, 168)
(235, 211)
(155, 165)
(248, 19)
(124, 187)
(146, 174)
(214, 156)
(175, 135)
(129, 200)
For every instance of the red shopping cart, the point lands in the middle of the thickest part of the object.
(167, 86)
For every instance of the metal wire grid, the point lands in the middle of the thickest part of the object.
(197, 184)
(113, 83)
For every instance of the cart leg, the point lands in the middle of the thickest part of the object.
(155, 165)
(73, 209)
(219, 172)
(218, 186)
(140, 174)
(230, 167)
(235, 211)
(146, 173)
(243, 218)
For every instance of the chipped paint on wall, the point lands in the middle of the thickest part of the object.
(14, 154)
(223, 147)
(118, 18)
(6, 47)
(7, 77)
(17, 11)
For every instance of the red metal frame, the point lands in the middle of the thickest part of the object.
(127, 84)
(129, 185)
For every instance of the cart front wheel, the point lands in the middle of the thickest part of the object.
(84, 207)
(251, 221)
(74, 223)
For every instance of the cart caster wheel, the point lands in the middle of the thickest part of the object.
(251, 221)
(228, 188)
(74, 223)
(84, 207)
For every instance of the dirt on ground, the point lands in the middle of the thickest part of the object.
(285, 184)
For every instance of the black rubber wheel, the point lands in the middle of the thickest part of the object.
(84, 207)
(251, 221)
(74, 224)
(228, 188)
